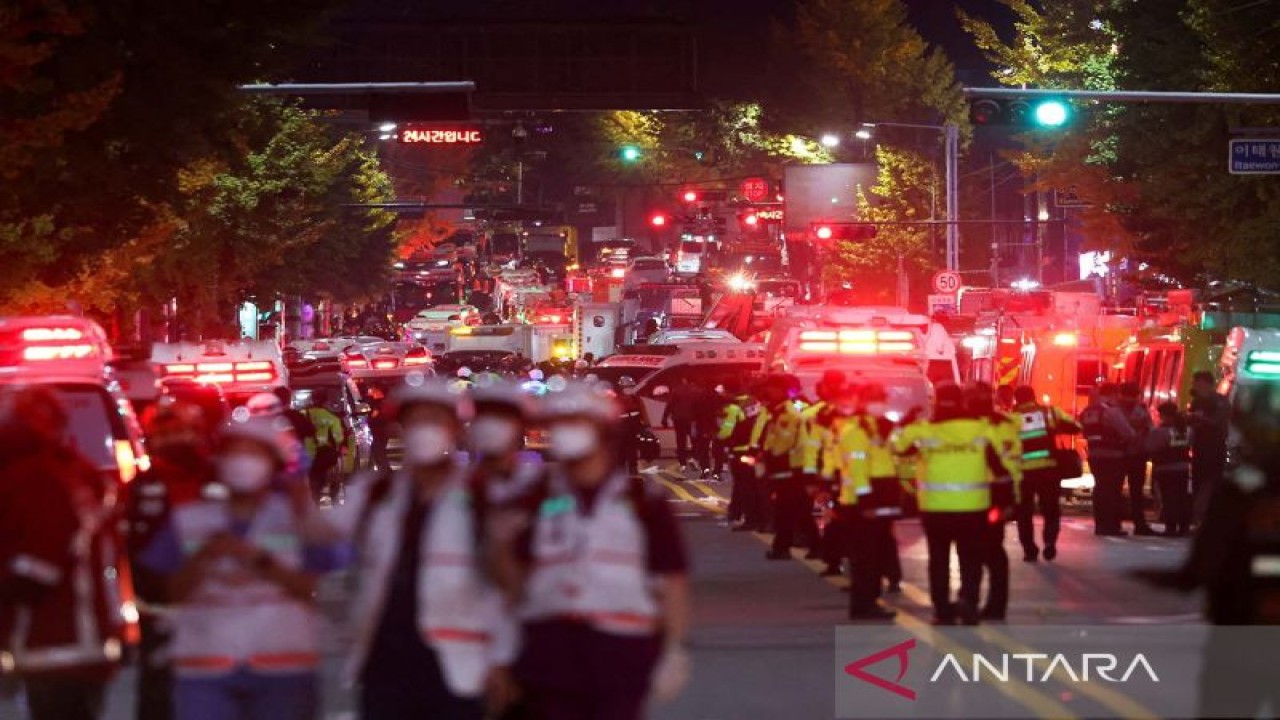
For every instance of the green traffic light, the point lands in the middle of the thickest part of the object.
(1052, 113)
(630, 153)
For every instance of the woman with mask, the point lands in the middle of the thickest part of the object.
(431, 635)
(242, 572)
(495, 437)
(601, 573)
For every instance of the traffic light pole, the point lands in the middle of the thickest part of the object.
(952, 133)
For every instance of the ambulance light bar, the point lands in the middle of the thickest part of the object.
(858, 342)
(1065, 339)
(254, 371)
(1263, 363)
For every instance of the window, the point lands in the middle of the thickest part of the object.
(93, 426)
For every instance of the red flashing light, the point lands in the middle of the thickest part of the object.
(824, 232)
(58, 352)
(752, 220)
(690, 196)
(658, 220)
(51, 334)
(858, 342)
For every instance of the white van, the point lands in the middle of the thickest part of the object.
(656, 368)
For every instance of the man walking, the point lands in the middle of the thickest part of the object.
(1038, 425)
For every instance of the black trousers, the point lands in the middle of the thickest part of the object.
(744, 502)
(792, 513)
(837, 537)
(1135, 478)
(1040, 491)
(51, 697)
(891, 564)
(155, 674)
(967, 533)
(422, 694)
(684, 439)
(996, 562)
(1108, 480)
(1175, 498)
(868, 539)
(1208, 467)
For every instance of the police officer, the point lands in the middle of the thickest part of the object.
(1169, 447)
(960, 459)
(783, 465)
(817, 473)
(1108, 433)
(889, 488)
(1041, 487)
(1209, 418)
(325, 445)
(737, 421)
(602, 573)
(1005, 432)
(1135, 470)
(432, 636)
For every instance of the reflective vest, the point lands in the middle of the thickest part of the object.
(460, 614)
(811, 436)
(853, 447)
(1104, 440)
(956, 476)
(1035, 432)
(781, 435)
(737, 423)
(592, 566)
(1174, 454)
(235, 618)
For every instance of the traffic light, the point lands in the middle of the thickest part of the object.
(1043, 113)
(690, 196)
(658, 220)
(827, 232)
(629, 153)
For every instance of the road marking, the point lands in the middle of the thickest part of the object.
(683, 494)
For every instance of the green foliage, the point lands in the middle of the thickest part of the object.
(902, 194)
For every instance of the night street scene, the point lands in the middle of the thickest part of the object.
(639, 359)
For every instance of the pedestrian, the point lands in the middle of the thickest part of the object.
(181, 468)
(783, 465)
(1108, 434)
(242, 571)
(324, 446)
(960, 459)
(432, 637)
(1209, 418)
(681, 413)
(631, 421)
(1006, 431)
(1039, 426)
(59, 612)
(1135, 467)
(602, 574)
(1169, 448)
(737, 425)
(379, 428)
(495, 437)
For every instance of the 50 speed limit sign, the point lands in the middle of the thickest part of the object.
(946, 281)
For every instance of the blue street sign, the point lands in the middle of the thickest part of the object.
(1254, 157)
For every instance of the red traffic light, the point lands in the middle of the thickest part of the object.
(852, 231)
(752, 220)
(984, 112)
(658, 220)
(690, 196)
(824, 232)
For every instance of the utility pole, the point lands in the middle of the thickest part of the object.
(952, 134)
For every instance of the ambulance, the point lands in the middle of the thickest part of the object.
(71, 357)
(242, 368)
(384, 363)
(657, 368)
(537, 342)
(1250, 358)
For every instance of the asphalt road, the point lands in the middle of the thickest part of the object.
(762, 639)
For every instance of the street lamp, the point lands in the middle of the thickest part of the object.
(863, 134)
(830, 140)
(951, 134)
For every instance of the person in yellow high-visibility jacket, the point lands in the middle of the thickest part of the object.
(959, 457)
(888, 488)
(783, 464)
(738, 423)
(980, 399)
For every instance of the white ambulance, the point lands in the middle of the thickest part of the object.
(657, 368)
(242, 368)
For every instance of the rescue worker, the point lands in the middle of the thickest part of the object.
(1169, 447)
(783, 465)
(242, 572)
(737, 423)
(863, 529)
(431, 638)
(818, 474)
(1005, 431)
(888, 487)
(293, 432)
(59, 611)
(1135, 469)
(602, 575)
(1108, 434)
(181, 468)
(324, 446)
(1041, 481)
(1209, 418)
(960, 459)
(495, 437)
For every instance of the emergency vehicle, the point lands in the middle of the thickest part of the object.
(71, 357)
(656, 368)
(694, 335)
(856, 334)
(596, 328)
(537, 342)
(384, 361)
(242, 368)
(1251, 357)
(440, 318)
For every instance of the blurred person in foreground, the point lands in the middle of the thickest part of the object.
(598, 569)
(242, 572)
(59, 603)
(495, 438)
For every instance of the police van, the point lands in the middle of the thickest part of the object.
(656, 369)
(242, 369)
(71, 357)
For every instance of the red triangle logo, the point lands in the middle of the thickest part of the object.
(858, 669)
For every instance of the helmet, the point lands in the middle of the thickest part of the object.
(536, 374)
(273, 433)
(264, 405)
(464, 372)
(419, 390)
(500, 393)
(579, 400)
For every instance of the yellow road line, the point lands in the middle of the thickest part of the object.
(683, 494)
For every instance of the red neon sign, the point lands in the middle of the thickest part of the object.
(441, 135)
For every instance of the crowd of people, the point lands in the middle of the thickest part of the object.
(482, 581)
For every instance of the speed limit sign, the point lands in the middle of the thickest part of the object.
(946, 281)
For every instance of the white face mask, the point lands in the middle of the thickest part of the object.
(426, 444)
(492, 435)
(245, 474)
(572, 441)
